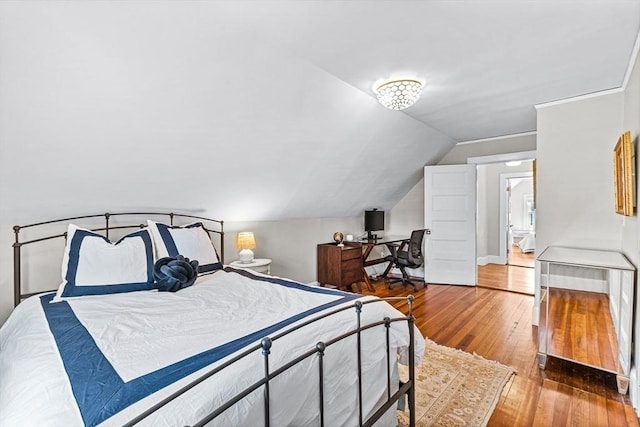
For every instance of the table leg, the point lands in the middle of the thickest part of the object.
(367, 281)
(365, 255)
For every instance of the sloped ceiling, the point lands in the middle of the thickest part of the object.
(257, 110)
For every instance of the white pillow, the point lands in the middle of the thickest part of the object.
(191, 241)
(92, 265)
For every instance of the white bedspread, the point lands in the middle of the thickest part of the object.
(528, 243)
(148, 338)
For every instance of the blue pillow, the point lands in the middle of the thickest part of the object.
(191, 241)
(92, 265)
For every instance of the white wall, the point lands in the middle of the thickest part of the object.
(575, 176)
(509, 144)
(630, 230)
(408, 214)
(291, 244)
(140, 105)
(575, 199)
(483, 217)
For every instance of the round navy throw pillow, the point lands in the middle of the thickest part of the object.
(170, 274)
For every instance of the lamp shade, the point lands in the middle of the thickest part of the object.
(246, 240)
(399, 94)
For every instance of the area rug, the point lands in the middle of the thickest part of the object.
(455, 388)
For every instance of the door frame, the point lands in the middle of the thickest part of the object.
(500, 158)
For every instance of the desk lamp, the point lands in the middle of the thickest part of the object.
(246, 241)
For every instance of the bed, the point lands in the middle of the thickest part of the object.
(233, 347)
(528, 243)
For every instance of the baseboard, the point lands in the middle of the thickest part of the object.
(633, 389)
(489, 259)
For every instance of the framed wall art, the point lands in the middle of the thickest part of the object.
(624, 175)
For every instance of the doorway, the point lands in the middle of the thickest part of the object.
(492, 236)
(520, 219)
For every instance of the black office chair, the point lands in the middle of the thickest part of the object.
(411, 258)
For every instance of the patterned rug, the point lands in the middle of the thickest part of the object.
(455, 388)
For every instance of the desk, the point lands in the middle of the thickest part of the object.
(368, 246)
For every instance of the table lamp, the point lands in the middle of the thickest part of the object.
(245, 243)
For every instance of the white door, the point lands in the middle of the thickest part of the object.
(450, 217)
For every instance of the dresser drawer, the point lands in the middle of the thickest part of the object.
(351, 253)
(352, 271)
(352, 277)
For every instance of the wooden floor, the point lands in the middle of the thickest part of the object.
(516, 257)
(592, 339)
(507, 278)
(497, 325)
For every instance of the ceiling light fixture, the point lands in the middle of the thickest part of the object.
(398, 94)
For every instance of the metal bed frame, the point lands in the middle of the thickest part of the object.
(216, 227)
(212, 226)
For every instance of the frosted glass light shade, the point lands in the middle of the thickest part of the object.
(399, 94)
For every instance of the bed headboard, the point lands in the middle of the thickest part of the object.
(110, 223)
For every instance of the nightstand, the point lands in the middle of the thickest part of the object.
(259, 265)
(340, 266)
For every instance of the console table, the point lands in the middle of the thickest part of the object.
(569, 279)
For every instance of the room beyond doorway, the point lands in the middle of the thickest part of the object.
(518, 211)
(518, 258)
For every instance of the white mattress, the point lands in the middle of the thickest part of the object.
(149, 338)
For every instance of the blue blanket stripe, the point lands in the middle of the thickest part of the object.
(92, 377)
(97, 387)
(287, 283)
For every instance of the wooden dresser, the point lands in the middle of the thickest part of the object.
(340, 266)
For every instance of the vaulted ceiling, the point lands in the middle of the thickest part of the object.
(255, 110)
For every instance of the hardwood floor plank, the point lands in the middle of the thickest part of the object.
(508, 278)
(518, 258)
(544, 414)
(582, 328)
(580, 408)
(598, 410)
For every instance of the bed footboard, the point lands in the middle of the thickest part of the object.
(318, 350)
